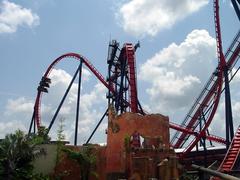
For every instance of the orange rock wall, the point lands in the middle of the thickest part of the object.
(113, 158)
(148, 126)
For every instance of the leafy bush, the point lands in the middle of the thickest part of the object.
(86, 158)
(17, 152)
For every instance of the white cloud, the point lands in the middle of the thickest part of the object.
(13, 15)
(86, 74)
(176, 73)
(236, 110)
(19, 105)
(236, 78)
(148, 17)
(218, 124)
(11, 126)
(219, 118)
(17, 115)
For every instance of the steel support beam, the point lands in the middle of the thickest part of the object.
(90, 137)
(63, 99)
(120, 101)
(78, 102)
(32, 123)
(236, 4)
(228, 110)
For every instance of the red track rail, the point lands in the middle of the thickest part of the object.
(213, 96)
(130, 55)
(231, 157)
(232, 154)
(232, 55)
(37, 105)
(209, 100)
(196, 133)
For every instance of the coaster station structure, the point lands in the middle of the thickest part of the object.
(121, 83)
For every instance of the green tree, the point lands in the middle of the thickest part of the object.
(86, 159)
(41, 137)
(16, 156)
(43, 134)
(60, 138)
(60, 132)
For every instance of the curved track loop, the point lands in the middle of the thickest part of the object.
(79, 57)
(214, 95)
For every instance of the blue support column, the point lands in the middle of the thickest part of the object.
(78, 102)
(63, 99)
(97, 126)
(228, 110)
(32, 123)
(236, 4)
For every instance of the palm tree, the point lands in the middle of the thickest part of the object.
(16, 155)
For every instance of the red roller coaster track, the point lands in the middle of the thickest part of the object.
(206, 105)
(209, 97)
(128, 52)
(37, 105)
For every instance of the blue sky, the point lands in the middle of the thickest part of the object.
(176, 57)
